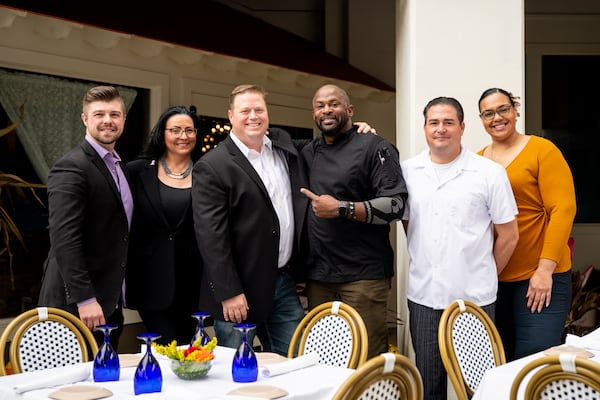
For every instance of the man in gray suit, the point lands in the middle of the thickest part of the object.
(90, 207)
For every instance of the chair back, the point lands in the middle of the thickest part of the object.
(45, 337)
(469, 345)
(335, 331)
(387, 376)
(562, 376)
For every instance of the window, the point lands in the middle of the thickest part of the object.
(32, 218)
(570, 119)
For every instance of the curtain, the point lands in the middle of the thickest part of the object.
(52, 119)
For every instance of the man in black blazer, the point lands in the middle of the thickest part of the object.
(90, 208)
(249, 222)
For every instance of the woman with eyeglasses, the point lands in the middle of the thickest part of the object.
(534, 290)
(164, 267)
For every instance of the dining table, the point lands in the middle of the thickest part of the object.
(497, 382)
(315, 381)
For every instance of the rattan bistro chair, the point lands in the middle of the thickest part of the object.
(563, 376)
(335, 331)
(469, 345)
(387, 376)
(45, 337)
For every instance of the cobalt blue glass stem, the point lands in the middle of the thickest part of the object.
(200, 331)
(147, 378)
(245, 366)
(106, 362)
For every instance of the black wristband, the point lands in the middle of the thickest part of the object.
(343, 209)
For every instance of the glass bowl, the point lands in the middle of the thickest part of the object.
(190, 370)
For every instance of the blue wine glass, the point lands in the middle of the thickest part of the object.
(245, 366)
(200, 332)
(106, 362)
(147, 378)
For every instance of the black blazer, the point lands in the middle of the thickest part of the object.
(237, 227)
(89, 234)
(164, 266)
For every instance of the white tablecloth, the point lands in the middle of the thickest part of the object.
(497, 382)
(315, 382)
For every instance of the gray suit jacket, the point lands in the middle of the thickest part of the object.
(88, 233)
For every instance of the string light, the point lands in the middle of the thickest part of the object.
(217, 129)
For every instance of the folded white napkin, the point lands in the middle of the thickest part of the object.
(292, 364)
(55, 377)
(590, 341)
(594, 334)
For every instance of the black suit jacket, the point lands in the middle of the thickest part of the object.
(89, 233)
(237, 227)
(164, 265)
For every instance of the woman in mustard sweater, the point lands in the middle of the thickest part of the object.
(534, 290)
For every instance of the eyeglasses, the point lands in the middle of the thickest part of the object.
(502, 111)
(178, 131)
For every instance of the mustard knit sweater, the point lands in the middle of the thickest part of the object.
(543, 186)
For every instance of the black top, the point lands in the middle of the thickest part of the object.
(164, 266)
(355, 167)
(175, 202)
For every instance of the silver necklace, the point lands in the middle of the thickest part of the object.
(170, 174)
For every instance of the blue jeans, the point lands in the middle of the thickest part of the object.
(524, 332)
(275, 333)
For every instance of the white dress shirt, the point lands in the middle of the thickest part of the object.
(272, 169)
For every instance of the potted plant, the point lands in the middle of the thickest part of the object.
(585, 303)
(11, 184)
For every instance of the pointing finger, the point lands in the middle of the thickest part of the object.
(309, 194)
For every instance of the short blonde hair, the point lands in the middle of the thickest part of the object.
(240, 89)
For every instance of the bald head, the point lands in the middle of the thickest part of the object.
(332, 111)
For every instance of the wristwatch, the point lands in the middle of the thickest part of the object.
(343, 209)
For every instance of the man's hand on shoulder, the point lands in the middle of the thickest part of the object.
(365, 128)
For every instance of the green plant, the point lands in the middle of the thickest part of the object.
(585, 301)
(9, 184)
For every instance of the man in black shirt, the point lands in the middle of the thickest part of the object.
(357, 190)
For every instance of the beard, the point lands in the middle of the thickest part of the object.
(332, 129)
(106, 141)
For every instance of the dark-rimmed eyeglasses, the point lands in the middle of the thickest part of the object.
(178, 131)
(502, 111)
